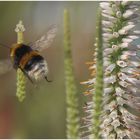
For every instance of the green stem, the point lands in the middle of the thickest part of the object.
(71, 91)
(97, 97)
(21, 82)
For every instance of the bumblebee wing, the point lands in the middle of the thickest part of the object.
(46, 40)
(5, 66)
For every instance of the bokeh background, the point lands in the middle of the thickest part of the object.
(43, 112)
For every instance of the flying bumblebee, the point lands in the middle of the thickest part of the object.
(28, 57)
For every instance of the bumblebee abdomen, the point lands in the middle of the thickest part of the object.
(36, 68)
(32, 62)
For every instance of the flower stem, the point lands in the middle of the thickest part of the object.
(121, 73)
(97, 96)
(71, 91)
(21, 82)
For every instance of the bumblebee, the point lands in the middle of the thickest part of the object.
(28, 57)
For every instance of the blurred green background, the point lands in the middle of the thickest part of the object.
(43, 112)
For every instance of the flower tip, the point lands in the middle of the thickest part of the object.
(86, 92)
(20, 22)
(20, 27)
(128, 13)
(84, 82)
(125, 2)
(104, 4)
(65, 11)
(90, 63)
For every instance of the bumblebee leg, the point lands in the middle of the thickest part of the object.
(47, 79)
(27, 75)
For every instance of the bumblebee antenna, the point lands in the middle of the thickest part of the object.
(3, 45)
(47, 79)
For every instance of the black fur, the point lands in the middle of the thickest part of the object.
(32, 62)
(19, 53)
